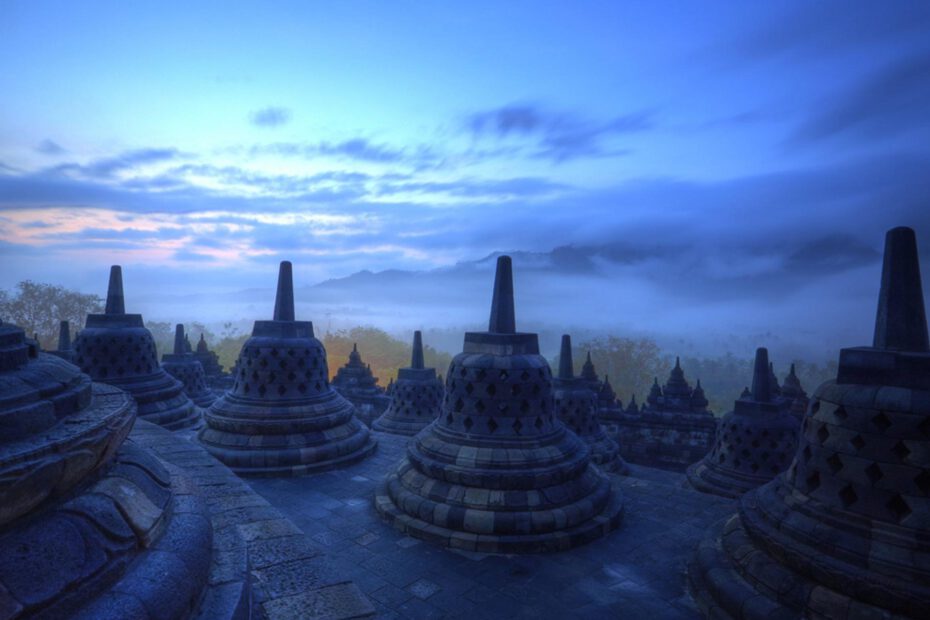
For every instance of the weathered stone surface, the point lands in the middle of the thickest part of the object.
(282, 417)
(117, 349)
(843, 533)
(416, 398)
(498, 472)
(754, 443)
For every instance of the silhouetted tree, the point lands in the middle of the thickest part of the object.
(38, 308)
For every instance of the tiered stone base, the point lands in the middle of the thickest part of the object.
(505, 498)
(161, 400)
(129, 544)
(261, 439)
(415, 403)
(192, 377)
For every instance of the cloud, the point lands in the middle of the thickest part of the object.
(270, 117)
(48, 147)
(107, 167)
(889, 102)
(358, 149)
(557, 136)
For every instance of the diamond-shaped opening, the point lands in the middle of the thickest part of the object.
(459, 405)
(874, 472)
(841, 412)
(538, 423)
(491, 389)
(822, 433)
(479, 406)
(848, 496)
(898, 507)
(923, 482)
(857, 442)
(492, 425)
(806, 453)
(281, 390)
(813, 481)
(754, 467)
(835, 462)
(503, 375)
(524, 406)
(469, 388)
(450, 419)
(517, 426)
(524, 376)
(881, 421)
(468, 423)
(262, 390)
(515, 389)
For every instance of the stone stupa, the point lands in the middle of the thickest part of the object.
(576, 406)
(755, 442)
(65, 351)
(845, 531)
(184, 367)
(282, 416)
(116, 348)
(359, 386)
(416, 397)
(498, 472)
(792, 390)
(91, 525)
(672, 430)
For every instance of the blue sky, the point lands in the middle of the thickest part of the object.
(715, 146)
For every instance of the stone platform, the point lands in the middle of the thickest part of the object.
(262, 563)
(636, 571)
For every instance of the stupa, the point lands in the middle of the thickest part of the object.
(91, 525)
(184, 367)
(609, 406)
(845, 531)
(116, 348)
(755, 442)
(359, 386)
(498, 472)
(672, 430)
(282, 416)
(65, 351)
(793, 391)
(576, 406)
(416, 397)
(589, 375)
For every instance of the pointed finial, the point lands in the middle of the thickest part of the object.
(284, 299)
(791, 372)
(354, 347)
(588, 358)
(901, 322)
(761, 390)
(503, 320)
(115, 302)
(416, 359)
(566, 369)
(677, 362)
(180, 344)
(64, 336)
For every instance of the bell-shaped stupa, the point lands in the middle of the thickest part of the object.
(184, 367)
(91, 526)
(845, 531)
(576, 406)
(793, 391)
(755, 442)
(416, 397)
(282, 416)
(116, 348)
(498, 472)
(359, 386)
(672, 430)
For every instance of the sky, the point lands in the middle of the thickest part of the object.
(715, 166)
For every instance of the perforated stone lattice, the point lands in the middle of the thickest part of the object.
(417, 400)
(858, 458)
(273, 372)
(752, 450)
(499, 401)
(117, 354)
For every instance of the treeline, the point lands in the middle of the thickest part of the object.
(631, 363)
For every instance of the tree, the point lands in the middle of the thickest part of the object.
(39, 308)
(383, 352)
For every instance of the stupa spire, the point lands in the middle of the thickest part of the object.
(115, 301)
(64, 336)
(566, 369)
(284, 299)
(761, 389)
(416, 358)
(503, 319)
(180, 345)
(901, 322)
